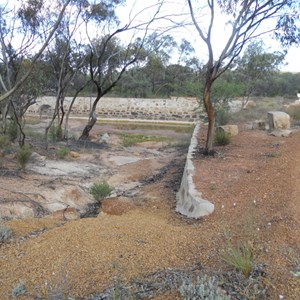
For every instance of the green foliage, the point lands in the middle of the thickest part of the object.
(132, 139)
(55, 133)
(12, 130)
(222, 115)
(4, 142)
(222, 138)
(18, 290)
(239, 256)
(100, 190)
(204, 288)
(5, 233)
(23, 156)
(62, 152)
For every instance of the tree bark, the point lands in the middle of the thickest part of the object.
(211, 117)
(92, 119)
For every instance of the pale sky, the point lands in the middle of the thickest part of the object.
(179, 6)
(292, 59)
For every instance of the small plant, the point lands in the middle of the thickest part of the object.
(274, 154)
(204, 288)
(4, 142)
(222, 138)
(100, 190)
(55, 133)
(240, 257)
(222, 116)
(62, 152)
(5, 233)
(12, 130)
(23, 156)
(18, 290)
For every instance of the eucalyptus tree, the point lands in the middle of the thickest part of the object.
(20, 29)
(110, 57)
(256, 65)
(244, 21)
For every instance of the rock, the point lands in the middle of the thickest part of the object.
(250, 104)
(260, 125)
(278, 120)
(281, 132)
(104, 138)
(232, 130)
(17, 209)
(116, 206)
(69, 213)
(235, 105)
(35, 157)
(67, 196)
(74, 154)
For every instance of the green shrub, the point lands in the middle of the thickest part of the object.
(222, 116)
(4, 142)
(12, 130)
(100, 190)
(62, 152)
(23, 156)
(18, 290)
(204, 288)
(240, 257)
(55, 133)
(5, 233)
(222, 138)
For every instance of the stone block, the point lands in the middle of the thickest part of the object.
(260, 125)
(232, 130)
(278, 120)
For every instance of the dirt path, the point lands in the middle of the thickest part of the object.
(255, 179)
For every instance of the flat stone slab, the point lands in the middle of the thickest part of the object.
(124, 160)
(65, 168)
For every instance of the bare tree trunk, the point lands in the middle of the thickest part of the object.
(92, 120)
(211, 117)
(66, 130)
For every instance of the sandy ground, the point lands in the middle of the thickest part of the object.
(254, 183)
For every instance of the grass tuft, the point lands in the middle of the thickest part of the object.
(239, 256)
(23, 156)
(100, 190)
(62, 152)
(222, 138)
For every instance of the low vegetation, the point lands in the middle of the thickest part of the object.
(204, 288)
(62, 152)
(5, 233)
(129, 140)
(18, 290)
(239, 257)
(100, 190)
(23, 156)
(222, 138)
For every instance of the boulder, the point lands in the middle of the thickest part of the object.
(74, 154)
(17, 209)
(279, 120)
(281, 132)
(250, 104)
(104, 138)
(260, 125)
(232, 130)
(69, 213)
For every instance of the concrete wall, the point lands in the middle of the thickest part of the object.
(180, 109)
(189, 201)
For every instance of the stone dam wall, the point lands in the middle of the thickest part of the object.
(173, 109)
